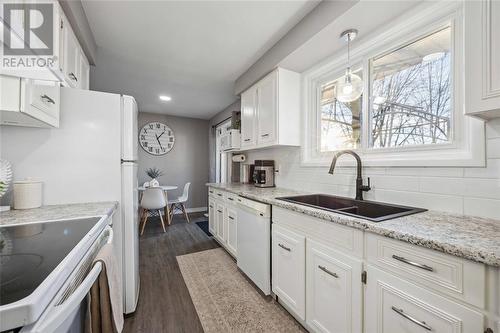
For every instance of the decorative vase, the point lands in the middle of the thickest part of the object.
(154, 183)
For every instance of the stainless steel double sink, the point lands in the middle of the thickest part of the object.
(368, 210)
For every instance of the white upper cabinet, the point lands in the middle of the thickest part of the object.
(68, 65)
(271, 111)
(482, 55)
(248, 117)
(32, 103)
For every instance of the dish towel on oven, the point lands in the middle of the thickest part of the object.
(105, 302)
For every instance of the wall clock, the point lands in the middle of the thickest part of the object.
(156, 138)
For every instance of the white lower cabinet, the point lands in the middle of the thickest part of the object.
(211, 216)
(231, 222)
(288, 269)
(219, 231)
(334, 296)
(394, 305)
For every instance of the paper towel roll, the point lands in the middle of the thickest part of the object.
(239, 158)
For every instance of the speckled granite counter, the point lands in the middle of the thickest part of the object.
(57, 212)
(469, 237)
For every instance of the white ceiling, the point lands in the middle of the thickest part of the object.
(192, 51)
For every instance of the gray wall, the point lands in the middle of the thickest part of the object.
(226, 113)
(186, 162)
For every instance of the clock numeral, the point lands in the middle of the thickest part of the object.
(145, 143)
(157, 150)
(143, 137)
(145, 131)
(158, 125)
(163, 149)
(150, 149)
(151, 126)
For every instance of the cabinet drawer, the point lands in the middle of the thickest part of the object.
(339, 237)
(230, 198)
(211, 192)
(219, 194)
(42, 102)
(447, 274)
(395, 305)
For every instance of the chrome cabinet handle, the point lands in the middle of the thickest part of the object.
(264, 135)
(412, 263)
(73, 76)
(210, 191)
(220, 211)
(211, 206)
(230, 199)
(220, 195)
(327, 271)
(231, 218)
(410, 318)
(246, 140)
(47, 99)
(284, 247)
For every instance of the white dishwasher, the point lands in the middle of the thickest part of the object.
(254, 242)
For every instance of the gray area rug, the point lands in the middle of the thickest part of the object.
(225, 301)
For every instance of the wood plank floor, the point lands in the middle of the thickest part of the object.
(164, 301)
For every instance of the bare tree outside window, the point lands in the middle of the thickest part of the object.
(340, 122)
(411, 94)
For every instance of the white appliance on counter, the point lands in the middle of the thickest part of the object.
(230, 140)
(91, 157)
(254, 242)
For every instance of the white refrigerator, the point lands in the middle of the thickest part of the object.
(91, 157)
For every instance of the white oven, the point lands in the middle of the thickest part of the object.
(67, 310)
(230, 140)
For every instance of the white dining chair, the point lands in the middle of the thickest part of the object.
(153, 199)
(179, 203)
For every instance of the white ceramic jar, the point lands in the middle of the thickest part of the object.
(27, 194)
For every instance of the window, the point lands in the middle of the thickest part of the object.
(411, 93)
(340, 122)
(411, 112)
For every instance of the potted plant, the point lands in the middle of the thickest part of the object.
(154, 173)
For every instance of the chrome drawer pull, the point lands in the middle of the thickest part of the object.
(265, 135)
(220, 211)
(220, 195)
(246, 140)
(47, 99)
(73, 77)
(412, 263)
(284, 247)
(327, 271)
(410, 318)
(230, 199)
(231, 218)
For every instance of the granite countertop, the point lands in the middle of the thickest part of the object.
(57, 212)
(469, 237)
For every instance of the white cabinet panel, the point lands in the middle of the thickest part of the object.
(220, 231)
(288, 263)
(84, 72)
(248, 118)
(394, 305)
(333, 291)
(232, 219)
(10, 93)
(71, 63)
(267, 109)
(482, 58)
(211, 216)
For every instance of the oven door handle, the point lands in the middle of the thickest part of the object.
(62, 311)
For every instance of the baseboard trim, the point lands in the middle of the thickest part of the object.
(191, 210)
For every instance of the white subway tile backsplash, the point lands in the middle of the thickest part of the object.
(395, 183)
(493, 148)
(482, 188)
(482, 207)
(444, 203)
(442, 185)
(492, 170)
(493, 128)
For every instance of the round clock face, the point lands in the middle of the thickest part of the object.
(156, 138)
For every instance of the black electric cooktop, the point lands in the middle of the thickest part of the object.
(30, 252)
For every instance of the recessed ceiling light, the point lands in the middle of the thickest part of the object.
(165, 98)
(433, 57)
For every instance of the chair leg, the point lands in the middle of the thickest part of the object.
(162, 223)
(171, 211)
(185, 213)
(145, 220)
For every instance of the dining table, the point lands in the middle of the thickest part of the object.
(165, 189)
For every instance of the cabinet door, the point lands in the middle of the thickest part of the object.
(267, 109)
(232, 218)
(43, 101)
(394, 305)
(333, 290)
(288, 254)
(482, 58)
(221, 234)
(10, 93)
(71, 57)
(248, 117)
(211, 217)
(84, 71)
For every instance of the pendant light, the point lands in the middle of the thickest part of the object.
(350, 86)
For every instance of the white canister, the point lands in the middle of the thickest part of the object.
(27, 194)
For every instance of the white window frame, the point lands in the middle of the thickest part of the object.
(467, 146)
